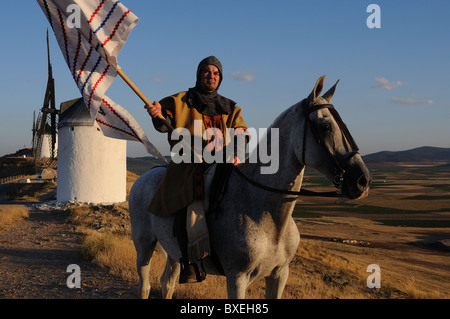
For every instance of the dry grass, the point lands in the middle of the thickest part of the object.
(10, 214)
(317, 272)
(113, 252)
(413, 290)
(29, 192)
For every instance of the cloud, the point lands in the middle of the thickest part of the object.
(410, 101)
(384, 84)
(247, 76)
(157, 79)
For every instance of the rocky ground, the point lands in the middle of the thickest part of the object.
(35, 254)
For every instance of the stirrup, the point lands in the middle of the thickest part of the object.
(187, 273)
(200, 270)
(191, 272)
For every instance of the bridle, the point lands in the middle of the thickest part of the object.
(338, 178)
(340, 168)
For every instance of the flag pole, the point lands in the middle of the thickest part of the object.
(142, 96)
(150, 104)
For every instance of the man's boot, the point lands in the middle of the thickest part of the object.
(187, 272)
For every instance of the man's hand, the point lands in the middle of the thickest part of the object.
(236, 161)
(154, 110)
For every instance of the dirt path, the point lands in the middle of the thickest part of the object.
(35, 254)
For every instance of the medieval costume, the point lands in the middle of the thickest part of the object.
(182, 184)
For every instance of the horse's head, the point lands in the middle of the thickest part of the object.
(328, 146)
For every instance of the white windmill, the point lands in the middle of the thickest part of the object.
(91, 166)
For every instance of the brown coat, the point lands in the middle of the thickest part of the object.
(183, 183)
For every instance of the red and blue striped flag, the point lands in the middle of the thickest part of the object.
(90, 35)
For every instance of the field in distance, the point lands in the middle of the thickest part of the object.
(403, 226)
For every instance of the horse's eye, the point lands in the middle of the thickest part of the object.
(325, 128)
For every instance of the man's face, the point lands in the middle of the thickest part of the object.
(209, 78)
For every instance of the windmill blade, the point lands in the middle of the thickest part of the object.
(36, 136)
(33, 130)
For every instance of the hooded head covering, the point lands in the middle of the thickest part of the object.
(209, 103)
(211, 60)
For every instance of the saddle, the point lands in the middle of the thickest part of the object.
(216, 187)
(210, 186)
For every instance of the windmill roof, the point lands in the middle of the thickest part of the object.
(74, 113)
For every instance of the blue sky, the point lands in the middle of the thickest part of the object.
(394, 81)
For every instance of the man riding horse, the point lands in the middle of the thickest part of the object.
(181, 191)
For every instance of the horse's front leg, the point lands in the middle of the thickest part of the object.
(276, 282)
(237, 285)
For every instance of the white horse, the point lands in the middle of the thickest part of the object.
(255, 235)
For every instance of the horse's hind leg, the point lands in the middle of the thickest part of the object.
(276, 282)
(169, 277)
(144, 249)
(237, 285)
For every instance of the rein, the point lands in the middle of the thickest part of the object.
(302, 192)
(339, 175)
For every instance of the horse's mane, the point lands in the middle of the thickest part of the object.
(285, 114)
(282, 123)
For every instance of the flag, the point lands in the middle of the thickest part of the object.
(90, 35)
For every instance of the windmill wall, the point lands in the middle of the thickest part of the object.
(45, 149)
(91, 167)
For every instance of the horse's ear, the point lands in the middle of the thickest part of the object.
(317, 89)
(329, 95)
